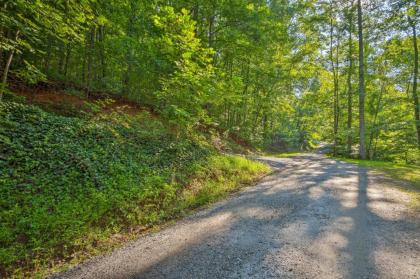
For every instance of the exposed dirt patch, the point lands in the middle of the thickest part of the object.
(61, 100)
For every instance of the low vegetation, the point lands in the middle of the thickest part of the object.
(404, 172)
(69, 183)
(284, 154)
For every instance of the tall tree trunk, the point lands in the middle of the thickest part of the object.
(265, 126)
(374, 131)
(362, 145)
(2, 33)
(6, 68)
(415, 76)
(62, 54)
(211, 31)
(337, 87)
(84, 62)
(102, 51)
(48, 57)
(194, 15)
(349, 86)
(129, 54)
(334, 70)
(1, 50)
(91, 44)
(244, 108)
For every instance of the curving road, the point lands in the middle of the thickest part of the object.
(313, 218)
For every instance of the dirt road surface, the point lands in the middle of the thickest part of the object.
(313, 218)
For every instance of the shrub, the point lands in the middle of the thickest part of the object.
(67, 182)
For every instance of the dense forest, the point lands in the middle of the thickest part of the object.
(274, 72)
(278, 75)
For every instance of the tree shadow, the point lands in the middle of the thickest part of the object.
(312, 218)
(265, 216)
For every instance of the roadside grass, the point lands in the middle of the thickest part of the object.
(219, 176)
(283, 154)
(74, 187)
(212, 180)
(407, 173)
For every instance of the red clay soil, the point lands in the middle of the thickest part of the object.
(51, 95)
(42, 96)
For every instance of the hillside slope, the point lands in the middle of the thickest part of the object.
(67, 184)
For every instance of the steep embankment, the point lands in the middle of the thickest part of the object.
(71, 187)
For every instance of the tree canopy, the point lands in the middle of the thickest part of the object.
(280, 73)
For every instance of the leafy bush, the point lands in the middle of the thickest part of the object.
(66, 182)
(60, 176)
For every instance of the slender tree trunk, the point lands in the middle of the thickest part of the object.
(84, 61)
(62, 54)
(7, 67)
(48, 57)
(245, 94)
(194, 16)
(3, 32)
(349, 86)
(1, 35)
(211, 31)
(91, 42)
(102, 51)
(415, 76)
(129, 54)
(362, 145)
(337, 87)
(335, 124)
(374, 133)
(265, 125)
(66, 61)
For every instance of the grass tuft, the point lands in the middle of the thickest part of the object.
(284, 154)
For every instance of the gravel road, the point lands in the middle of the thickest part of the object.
(313, 218)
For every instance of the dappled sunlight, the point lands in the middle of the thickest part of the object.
(387, 209)
(349, 199)
(343, 223)
(120, 116)
(316, 193)
(263, 213)
(147, 252)
(293, 224)
(327, 248)
(375, 192)
(295, 232)
(387, 259)
(387, 203)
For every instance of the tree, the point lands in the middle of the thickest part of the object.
(334, 69)
(413, 26)
(28, 24)
(362, 144)
(273, 72)
(349, 81)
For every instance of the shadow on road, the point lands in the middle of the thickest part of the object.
(314, 217)
(328, 208)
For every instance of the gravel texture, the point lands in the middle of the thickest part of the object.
(313, 218)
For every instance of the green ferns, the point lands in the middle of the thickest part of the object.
(66, 183)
